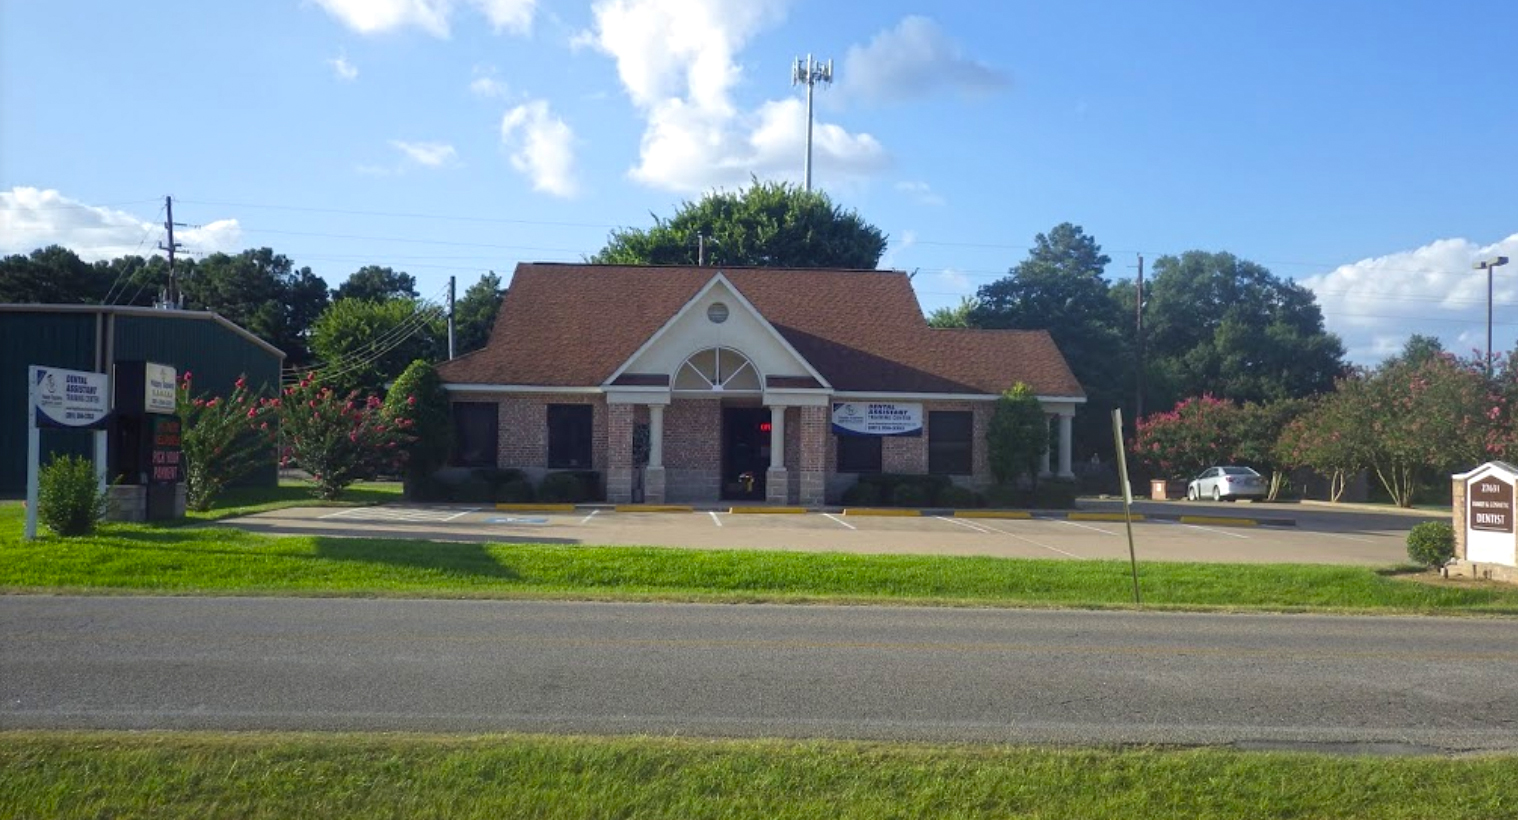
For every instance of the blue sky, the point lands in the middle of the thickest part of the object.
(1365, 149)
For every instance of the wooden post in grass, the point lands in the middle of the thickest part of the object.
(1122, 477)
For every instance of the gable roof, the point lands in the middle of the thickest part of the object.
(568, 325)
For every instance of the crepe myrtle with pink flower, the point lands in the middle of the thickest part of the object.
(339, 439)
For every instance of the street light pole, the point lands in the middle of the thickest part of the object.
(1489, 265)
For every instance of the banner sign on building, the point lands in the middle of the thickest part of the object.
(875, 418)
(158, 388)
(69, 398)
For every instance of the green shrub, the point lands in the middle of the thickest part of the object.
(957, 497)
(911, 494)
(590, 485)
(497, 476)
(928, 486)
(1054, 494)
(417, 396)
(69, 499)
(472, 490)
(562, 488)
(862, 495)
(1431, 543)
(515, 492)
(1004, 496)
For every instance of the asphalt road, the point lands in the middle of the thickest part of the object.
(1377, 684)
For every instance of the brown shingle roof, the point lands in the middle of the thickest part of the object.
(574, 325)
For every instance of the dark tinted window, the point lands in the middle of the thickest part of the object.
(859, 454)
(475, 427)
(950, 445)
(569, 431)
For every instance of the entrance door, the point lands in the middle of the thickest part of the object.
(745, 452)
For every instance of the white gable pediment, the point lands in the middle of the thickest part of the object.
(696, 328)
(1501, 469)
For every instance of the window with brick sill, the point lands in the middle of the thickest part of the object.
(859, 454)
(476, 428)
(569, 436)
(950, 442)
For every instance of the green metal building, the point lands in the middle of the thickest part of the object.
(92, 337)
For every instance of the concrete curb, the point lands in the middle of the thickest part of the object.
(767, 510)
(653, 508)
(1021, 515)
(883, 512)
(1102, 516)
(1219, 521)
(535, 507)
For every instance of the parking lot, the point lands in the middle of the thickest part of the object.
(1313, 535)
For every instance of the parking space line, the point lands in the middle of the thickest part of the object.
(839, 520)
(715, 519)
(967, 524)
(462, 514)
(1083, 526)
(586, 519)
(1031, 541)
(1207, 529)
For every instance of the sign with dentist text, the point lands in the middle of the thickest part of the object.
(69, 398)
(877, 418)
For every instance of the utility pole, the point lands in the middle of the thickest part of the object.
(810, 73)
(171, 297)
(1489, 265)
(452, 283)
(1138, 321)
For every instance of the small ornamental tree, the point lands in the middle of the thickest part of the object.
(1018, 435)
(1200, 432)
(339, 439)
(1259, 428)
(418, 398)
(223, 438)
(1332, 436)
(1427, 417)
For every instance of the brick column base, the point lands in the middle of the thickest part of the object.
(619, 485)
(653, 485)
(777, 486)
(813, 488)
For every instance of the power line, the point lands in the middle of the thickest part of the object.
(418, 319)
(402, 215)
(331, 373)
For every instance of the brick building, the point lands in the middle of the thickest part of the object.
(683, 384)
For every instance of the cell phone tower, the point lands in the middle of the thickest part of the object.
(809, 72)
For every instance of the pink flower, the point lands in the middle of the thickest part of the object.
(240, 383)
(252, 413)
(411, 401)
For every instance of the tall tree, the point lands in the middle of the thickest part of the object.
(1216, 323)
(51, 275)
(474, 314)
(377, 284)
(767, 224)
(363, 345)
(955, 316)
(1059, 288)
(263, 292)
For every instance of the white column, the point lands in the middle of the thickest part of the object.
(1043, 459)
(1064, 445)
(777, 437)
(655, 436)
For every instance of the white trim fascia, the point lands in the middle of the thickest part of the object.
(519, 388)
(690, 304)
(891, 396)
(1488, 468)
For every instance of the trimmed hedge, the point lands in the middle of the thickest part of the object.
(1431, 543)
(958, 497)
(862, 495)
(571, 487)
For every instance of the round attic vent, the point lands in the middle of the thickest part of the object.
(717, 313)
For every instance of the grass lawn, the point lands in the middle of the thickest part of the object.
(217, 561)
(121, 775)
(249, 500)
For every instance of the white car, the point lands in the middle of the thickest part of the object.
(1227, 484)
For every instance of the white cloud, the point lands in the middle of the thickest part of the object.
(677, 62)
(912, 60)
(487, 85)
(32, 218)
(922, 192)
(1376, 304)
(428, 154)
(541, 145)
(343, 69)
(956, 281)
(431, 16)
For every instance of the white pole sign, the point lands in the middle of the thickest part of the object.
(69, 399)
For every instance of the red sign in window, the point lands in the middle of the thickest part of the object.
(765, 427)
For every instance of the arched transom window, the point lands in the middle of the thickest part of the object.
(719, 369)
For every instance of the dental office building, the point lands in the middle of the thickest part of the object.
(705, 384)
